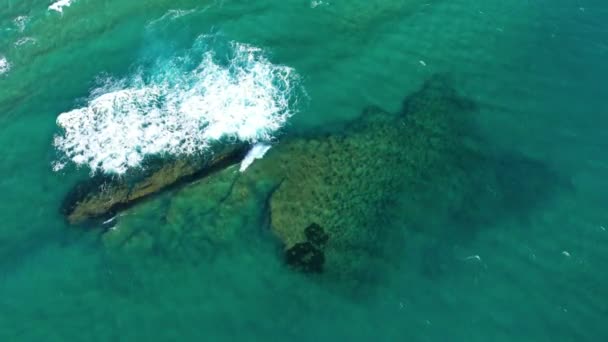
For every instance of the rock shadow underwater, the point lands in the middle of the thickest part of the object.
(340, 205)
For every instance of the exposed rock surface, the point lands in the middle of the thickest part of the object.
(103, 195)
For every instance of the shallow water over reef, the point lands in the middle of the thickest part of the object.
(437, 172)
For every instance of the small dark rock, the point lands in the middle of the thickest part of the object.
(316, 235)
(305, 257)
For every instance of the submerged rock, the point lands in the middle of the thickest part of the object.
(340, 204)
(103, 195)
(305, 257)
(316, 235)
(309, 256)
(424, 166)
(347, 182)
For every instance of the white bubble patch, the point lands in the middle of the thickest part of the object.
(178, 111)
(21, 22)
(256, 152)
(4, 65)
(59, 5)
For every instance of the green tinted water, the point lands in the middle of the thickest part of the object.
(536, 70)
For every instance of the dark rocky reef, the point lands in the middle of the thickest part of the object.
(103, 195)
(341, 203)
(424, 168)
(348, 182)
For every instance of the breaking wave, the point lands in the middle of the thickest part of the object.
(257, 151)
(184, 106)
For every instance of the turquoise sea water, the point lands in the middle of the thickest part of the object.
(536, 70)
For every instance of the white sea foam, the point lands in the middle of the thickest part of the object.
(317, 3)
(21, 22)
(178, 110)
(59, 5)
(25, 40)
(256, 152)
(4, 65)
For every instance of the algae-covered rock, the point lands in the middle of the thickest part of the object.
(103, 195)
(197, 220)
(346, 182)
(425, 164)
(339, 202)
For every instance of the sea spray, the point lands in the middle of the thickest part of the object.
(180, 108)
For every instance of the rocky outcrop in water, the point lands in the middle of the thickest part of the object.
(422, 168)
(348, 182)
(103, 195)
(340, 203)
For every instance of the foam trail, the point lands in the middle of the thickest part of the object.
(4, 65)
(181, 109)
(24, 41)
(256, 152)
(110, 220)
(172, 14)
(59, 5)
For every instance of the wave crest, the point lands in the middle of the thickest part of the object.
(179, 110)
